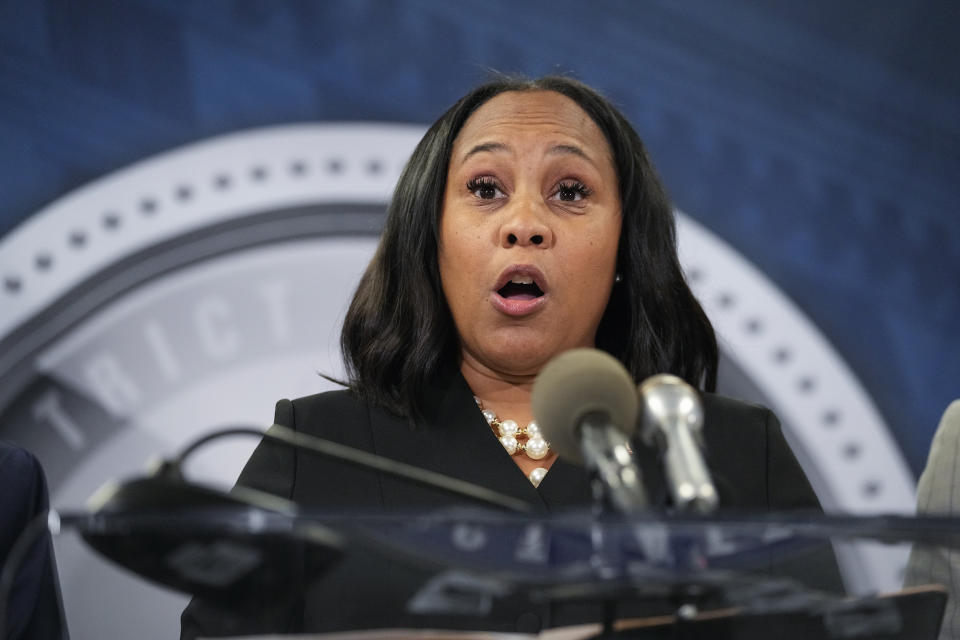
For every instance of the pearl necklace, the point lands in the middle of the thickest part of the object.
(509, 434)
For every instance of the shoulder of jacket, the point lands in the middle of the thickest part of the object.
(16, 459)
(331, 414)
(340, 399)
(718, 403)
(735, 414)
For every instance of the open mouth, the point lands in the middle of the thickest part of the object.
(520, 288)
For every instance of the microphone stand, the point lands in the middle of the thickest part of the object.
(616, 490)
(166, 488)
(363, 459)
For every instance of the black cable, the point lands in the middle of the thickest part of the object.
(343, 453)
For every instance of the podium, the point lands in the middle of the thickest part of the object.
(473, 573)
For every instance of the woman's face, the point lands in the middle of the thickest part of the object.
(529, 231)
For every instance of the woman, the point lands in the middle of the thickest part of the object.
(528, 221)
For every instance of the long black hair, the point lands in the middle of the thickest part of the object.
(398, 334)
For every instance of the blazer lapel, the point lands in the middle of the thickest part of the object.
(453, 439)
(567, 485)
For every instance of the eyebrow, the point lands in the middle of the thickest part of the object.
(486, 146)
(558, 149)
(561, 149)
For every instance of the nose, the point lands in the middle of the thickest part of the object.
(525, 226)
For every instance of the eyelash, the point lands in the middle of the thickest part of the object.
(486, 182)
(483, 182)
(576, 186)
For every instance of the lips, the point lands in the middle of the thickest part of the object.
(520, 290)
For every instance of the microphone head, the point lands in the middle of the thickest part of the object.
(668, 400)
(243, 546)
(578, 382)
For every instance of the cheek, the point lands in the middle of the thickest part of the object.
(599, 254)
(464, 252)
(457, 271)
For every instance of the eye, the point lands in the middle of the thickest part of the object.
(485, 188)
(571, 191)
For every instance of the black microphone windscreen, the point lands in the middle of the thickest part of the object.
(578, 382)
(242, 546)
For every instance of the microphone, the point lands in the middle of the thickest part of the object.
(586, 405)
(236, 546)
(672, 419)
(240, 547)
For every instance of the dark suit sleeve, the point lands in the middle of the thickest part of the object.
(787, 484)
(271, 468)
(789, 489)
(34, 609)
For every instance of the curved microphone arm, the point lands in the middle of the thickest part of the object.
(326, 448)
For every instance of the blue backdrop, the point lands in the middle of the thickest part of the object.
(822, 141)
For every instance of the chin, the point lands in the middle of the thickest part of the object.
(525, 359)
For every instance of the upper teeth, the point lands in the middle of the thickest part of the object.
(521, 280)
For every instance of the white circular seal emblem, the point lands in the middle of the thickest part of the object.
(193, 289)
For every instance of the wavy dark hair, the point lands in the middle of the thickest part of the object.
(398, 334)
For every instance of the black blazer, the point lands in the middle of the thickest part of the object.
(748, 456)
(34, 608)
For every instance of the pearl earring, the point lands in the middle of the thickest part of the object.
(618, 278)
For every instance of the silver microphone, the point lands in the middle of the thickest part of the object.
(672, 420)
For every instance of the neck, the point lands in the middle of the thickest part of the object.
(507, 395)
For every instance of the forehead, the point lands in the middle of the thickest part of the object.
(546, 117)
